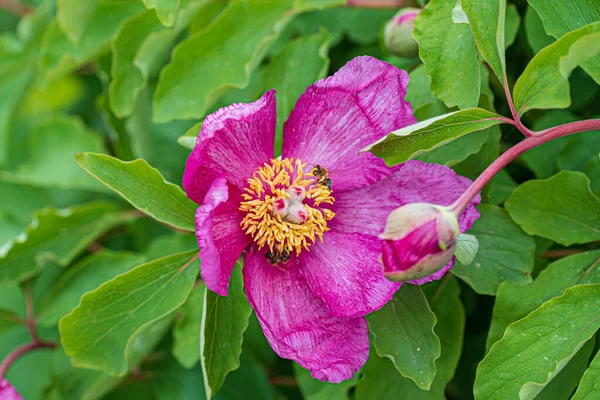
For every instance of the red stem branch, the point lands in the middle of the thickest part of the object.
(536, 139)
(15, 7)
(378, 3)
(19, 351)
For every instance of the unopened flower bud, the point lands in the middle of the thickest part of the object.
(7, 392)
(397, 34)
(419, 239)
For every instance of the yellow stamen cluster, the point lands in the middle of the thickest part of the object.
(270, 184)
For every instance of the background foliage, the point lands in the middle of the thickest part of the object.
(110, 263)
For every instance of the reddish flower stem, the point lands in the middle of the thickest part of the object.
(378, 3)
(15, 7)
(533, 140)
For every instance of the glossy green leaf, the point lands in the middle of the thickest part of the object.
(536, 348)
(9, 320)
(85, 276)
(562, 208)
(534, 30)
(403, 331)
(579, 151)
(17, 204)
(144, 187)
(224, 320)
(98, 332)
(413, 140)
(60, 56)
(68, 382)
(52, 146)
(382, 381)
(186, 332)
(544, 83)
(502, 186)
(446, 48)
(73, 16)
(418, 92)
(467, 247)
(563, 384)
(166, 10)
(183, 92)
(563, 16)
(56, 235)
(590, 383)
(513, 21)
(487, 23)
(312, 389)
(515, 301)
(172, 243)
(140, 46)
(302, 62)
(505, 253)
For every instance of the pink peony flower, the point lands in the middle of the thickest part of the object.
(7, 392)
(309, 222)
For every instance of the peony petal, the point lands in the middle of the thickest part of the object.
(366, 209)
(234, 141)
(340, 115)
(220, 237)
(298, 325)
(7, 392)
(345, 272)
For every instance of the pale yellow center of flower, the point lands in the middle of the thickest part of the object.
(286, 207)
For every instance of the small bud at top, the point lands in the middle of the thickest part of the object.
(397, 34)
(419, 239)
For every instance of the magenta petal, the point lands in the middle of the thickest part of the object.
(345, 272)
(7, 392)
(338, 116)
(298, 325)
(220, 238)
(366, 209)
(234, 141)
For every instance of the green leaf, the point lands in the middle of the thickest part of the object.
(590, 383)
(166, 10)
(172, 243)
(68, 382)
(488, 26)
(503, 185)
(312, 389)
(298, 65)
(252, 377)
(446, 48)
(56, 235)
(562, 208)
(52, 145)
(17, 204)
(563, 384)
(186, 332)
(381, 378)
(224, 320)
(139, 48)
(544, 83)
(534, 30)
(60, 56)
(467, 247)
(505, 253)
(513, 20)
(418, 92)
(98, 332)
(239, 37)
(413, 140)
(144, 187)
(515, 301)
(536, 348)
(9, 320)
(73, 16)
(579, 151)
(403, 332)
(83, 277)
(563, 16)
